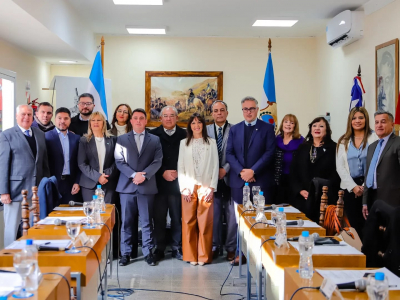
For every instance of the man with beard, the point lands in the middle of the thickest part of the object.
(42, 118)
(79, 123)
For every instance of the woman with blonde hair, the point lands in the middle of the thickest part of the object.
(198, 170)
(351, 162)
(96, 159)
(288, 139)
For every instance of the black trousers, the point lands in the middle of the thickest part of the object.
(283, 192)
(353, 208)
(65, 188)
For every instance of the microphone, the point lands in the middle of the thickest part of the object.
(59, 222)
(299, 222)
(359, 285)
(73, 203)
(49, 248)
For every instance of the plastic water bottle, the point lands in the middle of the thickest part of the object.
(100, 196)
(32, 281)
(306, 245)
(246, 189)
(97, 211)
(280, 222)
(260, 216)
(378, 287)
(246, 202)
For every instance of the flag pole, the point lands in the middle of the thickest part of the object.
(269, 46)
(102, 52)
(359, 71)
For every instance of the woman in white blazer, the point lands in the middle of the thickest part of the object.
(198, 167)
(351, 162)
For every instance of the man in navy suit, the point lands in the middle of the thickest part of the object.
(62, 148)
(250, 153)
(138, 156)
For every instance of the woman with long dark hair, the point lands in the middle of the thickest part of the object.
(288, 140)
(313, 166)
(198, 169)
(351, 163)
(121, 120)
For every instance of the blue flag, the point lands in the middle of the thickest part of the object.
(268, 109)
(96, 86)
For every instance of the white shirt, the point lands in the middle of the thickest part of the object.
(385, 139)
(247, 123)
(23, 130)
(101, 152)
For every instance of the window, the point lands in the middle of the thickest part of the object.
(7, 99)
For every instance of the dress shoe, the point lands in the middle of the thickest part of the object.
(124, 260)
(177, 254)
(150, 259)
(193, 263)
(235, 262)
(201, 263)
(159, 255)
(215, 253)
(230, 255)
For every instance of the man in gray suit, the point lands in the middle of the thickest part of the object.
(223, 203)
(383, 165)
(23, 161)
(138, 156)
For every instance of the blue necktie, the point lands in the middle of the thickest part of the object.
(219, 143)
(27, 133)
(372, 166)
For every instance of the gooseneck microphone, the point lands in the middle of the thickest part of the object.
(299, 222)
(359, 285)
(73, 203)
(49, 248)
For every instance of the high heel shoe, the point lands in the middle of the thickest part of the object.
(193, 263)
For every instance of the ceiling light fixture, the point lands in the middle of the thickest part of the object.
(132, 30)
(68, 61)
(275, 23)
(138, 2)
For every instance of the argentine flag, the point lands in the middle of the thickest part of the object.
(357, 92)
(268, 111)
(96, 86)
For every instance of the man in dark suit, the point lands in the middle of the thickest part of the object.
(23, 161)
(62, 147)
(169, 196)
(138, 156)
(250, 154)
(383, 165)
(223, 203)
(79, 123)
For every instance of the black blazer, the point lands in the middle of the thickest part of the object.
(88, 161)
(170, 149)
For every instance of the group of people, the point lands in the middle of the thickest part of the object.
(197, 174)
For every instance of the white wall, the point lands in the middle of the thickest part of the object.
(27, 67)
(337, 67)
(243, 62)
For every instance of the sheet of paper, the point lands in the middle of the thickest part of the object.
(21, 244)
(307, 224)
(291, 209)
(50, 220)
(344, 276)
(343, 250)
(66, 208)
(9, 282)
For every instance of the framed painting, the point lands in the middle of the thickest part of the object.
(387, 75)
(188, 92)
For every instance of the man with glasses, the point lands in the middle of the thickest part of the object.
(42, 118)
(79, 123)
(250, 154)
(169, 196)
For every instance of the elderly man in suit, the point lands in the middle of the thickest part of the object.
(138, 156)
(383, 165)
(23, 161)
(250, 153)
(169, 196)
(62, 147)
(223, 203)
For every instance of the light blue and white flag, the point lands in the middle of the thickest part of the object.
(268, 109)
(96, 86)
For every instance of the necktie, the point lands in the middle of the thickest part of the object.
(137, 140)
(219, 143)
(169, 132)
(27, 133)
(372, 166)
(249, 124)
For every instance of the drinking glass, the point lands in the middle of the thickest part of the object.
(88, 209)
(255, 190)
(23, 264)
(73, 229)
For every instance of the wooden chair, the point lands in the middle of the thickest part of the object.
(324, 205)
(25, 209)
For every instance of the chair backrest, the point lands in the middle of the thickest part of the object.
(25, 209)
(324, 205)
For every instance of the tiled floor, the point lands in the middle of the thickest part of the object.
(177, 276)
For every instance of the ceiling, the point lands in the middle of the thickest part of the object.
(223, 18)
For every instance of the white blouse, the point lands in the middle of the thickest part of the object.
(101, 152)
(198, 152)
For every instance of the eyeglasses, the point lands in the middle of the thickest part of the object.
(122, 112)
(85, 103)
(251, 109)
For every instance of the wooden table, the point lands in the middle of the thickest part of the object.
(275, 259)
(293, 282)
(52, 287)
